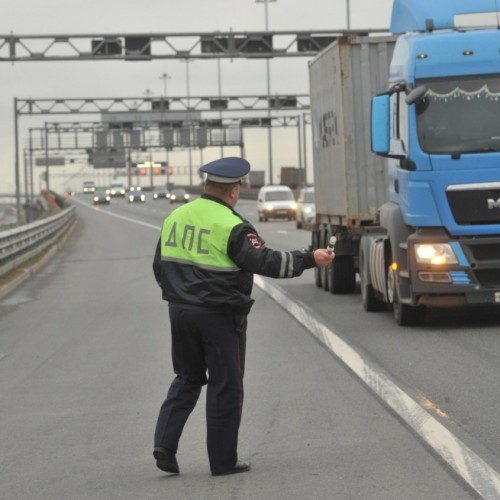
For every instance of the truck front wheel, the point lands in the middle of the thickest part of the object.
(404, 314)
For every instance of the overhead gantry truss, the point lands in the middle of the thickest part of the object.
(93, 105)
(73, 136)
(149, 46)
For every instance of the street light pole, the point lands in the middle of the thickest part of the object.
(219, 85)
(348, 14)
(189, 123)
(17, 177)
(269, 134)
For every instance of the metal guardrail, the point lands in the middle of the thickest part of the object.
(20, 244)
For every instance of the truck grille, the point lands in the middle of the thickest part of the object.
(475, 206)
(489, 278)
(483, 256)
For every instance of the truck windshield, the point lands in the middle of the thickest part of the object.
(460, 115)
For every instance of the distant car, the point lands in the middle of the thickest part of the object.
(276, 202)
(117, 188)
(306, 207)
(102, 196)
(88, 187)
(136, 196)
(160, 193)
(179, 195)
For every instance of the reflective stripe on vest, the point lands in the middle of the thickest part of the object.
(197, 234)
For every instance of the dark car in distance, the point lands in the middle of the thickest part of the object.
(102, 196)
(179, 195)
(160, 193)
(136, 196)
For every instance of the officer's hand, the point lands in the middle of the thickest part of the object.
(322, 257)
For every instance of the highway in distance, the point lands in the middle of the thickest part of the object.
(85, 365)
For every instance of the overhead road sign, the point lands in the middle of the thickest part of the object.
(53, 161)
(107, 159)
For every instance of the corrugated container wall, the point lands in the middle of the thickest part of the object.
(350, 181)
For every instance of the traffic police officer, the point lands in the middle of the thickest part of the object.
(204, 263)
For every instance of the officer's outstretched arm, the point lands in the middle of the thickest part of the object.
(250, 253)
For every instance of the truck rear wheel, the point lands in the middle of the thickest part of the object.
(341, 275)
(370, 302)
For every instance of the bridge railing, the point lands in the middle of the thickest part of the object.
(21, 243)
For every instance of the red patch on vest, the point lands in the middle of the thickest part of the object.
(254, 240)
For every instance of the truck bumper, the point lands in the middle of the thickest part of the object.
(474, 279)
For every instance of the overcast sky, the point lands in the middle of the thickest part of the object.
(128, 79)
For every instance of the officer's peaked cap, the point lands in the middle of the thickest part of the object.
(226, 170)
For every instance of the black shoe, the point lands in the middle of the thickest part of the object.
(165, 460)
(238, 467)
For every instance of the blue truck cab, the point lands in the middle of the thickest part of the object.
(439, 125)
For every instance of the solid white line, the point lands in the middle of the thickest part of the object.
(111, 214)
(475, 471)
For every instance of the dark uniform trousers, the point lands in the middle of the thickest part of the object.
(205, 340)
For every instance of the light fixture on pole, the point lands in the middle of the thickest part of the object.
(269, 135)
(165, 77)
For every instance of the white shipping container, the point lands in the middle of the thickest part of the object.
(350, 181)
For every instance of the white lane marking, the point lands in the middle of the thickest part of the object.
(475, 471)
(111, 214)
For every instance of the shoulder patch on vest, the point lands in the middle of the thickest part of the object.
(254, 240)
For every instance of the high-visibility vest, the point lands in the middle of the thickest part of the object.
(198, 233)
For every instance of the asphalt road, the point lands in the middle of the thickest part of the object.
(85, 365)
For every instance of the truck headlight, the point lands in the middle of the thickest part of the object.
(435, 254)
(308, 210)
(269, 206)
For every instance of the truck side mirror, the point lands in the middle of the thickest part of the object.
(381, 125)
(416, 94)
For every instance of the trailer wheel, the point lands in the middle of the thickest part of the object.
(341, 275)
(325, 271)
(315, 245)
(404, 314)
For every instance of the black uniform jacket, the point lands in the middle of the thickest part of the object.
(182, 283)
